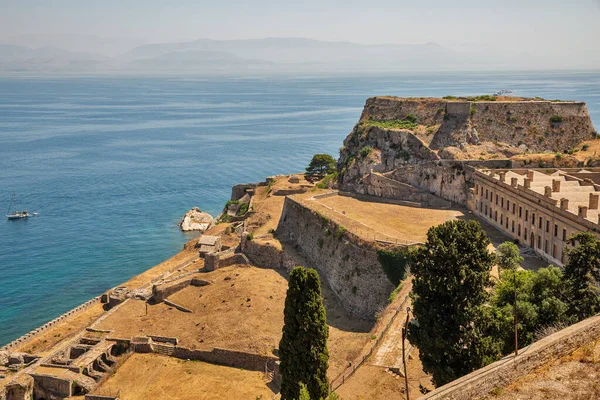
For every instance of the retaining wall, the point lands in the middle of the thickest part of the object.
(480, 383)
(348, 263)
(230, 358)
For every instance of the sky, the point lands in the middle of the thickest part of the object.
(519, 25)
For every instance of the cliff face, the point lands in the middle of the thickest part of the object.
(395, 133)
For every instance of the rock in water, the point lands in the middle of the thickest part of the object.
(196, 220)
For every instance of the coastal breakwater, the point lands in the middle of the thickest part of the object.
(348, 263)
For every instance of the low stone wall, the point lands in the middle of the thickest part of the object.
(32, 334)
(213, 261)
(265, 254)
(230, 358)
(99, 397)
(164, 339)
(480, 383)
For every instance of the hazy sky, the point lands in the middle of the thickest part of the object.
(517, 24)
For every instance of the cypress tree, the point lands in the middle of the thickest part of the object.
(303, 351)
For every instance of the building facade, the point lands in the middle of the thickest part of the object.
(540, 208)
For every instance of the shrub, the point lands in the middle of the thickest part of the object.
(365, 151)
(230, 202)
(395, 293)
(250, 236)
(328, 181)
(339, 232)
(585, 147)
(393, 124)
(411, 118)
(556, 119)
(243, 209)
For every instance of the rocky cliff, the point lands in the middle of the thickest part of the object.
(395, 133)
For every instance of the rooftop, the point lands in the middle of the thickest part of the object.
(579, 187)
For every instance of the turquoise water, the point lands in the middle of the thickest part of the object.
(113, 163)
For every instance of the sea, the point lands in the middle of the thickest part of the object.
(111, 164)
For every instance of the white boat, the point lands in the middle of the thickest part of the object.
(16, 214)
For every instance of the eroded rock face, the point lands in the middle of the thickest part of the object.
(196, 220)
(399, 137)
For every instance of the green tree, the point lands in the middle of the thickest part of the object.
(303, 347)
(508, 255)
(509, 259)
(321, 164)
(540, 304)
(451, 274)
(582, 273)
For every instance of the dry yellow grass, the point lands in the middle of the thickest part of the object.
(371, 382)
(242, 309)
(574, 377)
(396, 221)
(44, 342)
(150, 376)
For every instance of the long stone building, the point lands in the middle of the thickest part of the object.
(541, 208)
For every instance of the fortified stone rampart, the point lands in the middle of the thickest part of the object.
(349, 263)
(479, 384)
(540, 125)
(450, 180)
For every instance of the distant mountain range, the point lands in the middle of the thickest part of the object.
(259, 55)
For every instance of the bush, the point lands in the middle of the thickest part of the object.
(585, 147)
(328, 181)
(411, 118)
(394, 123)
(243, 209)
(365, 151)
(395, 293)
(230, 202)
(250, 236)
(556, 119)
(339, 232)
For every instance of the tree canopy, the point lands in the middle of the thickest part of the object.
(582, 272)
(541, 304)
(303, 351)
(451, 274)
(321, 164)
(508, 256)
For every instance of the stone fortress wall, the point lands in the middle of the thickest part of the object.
(516, 122)
(348, 262)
